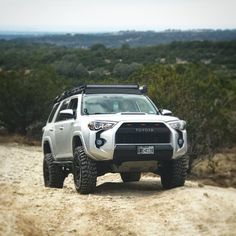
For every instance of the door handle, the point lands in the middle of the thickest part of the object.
(61, 128)
(51, 129)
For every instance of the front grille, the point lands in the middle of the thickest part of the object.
(143, 133)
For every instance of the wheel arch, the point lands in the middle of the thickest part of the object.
(76, 142)
(47, 147)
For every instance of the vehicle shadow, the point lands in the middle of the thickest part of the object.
(143, 187)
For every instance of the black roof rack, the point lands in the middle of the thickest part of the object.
(69, 93)
(97, 89)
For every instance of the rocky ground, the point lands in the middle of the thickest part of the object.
(142, 208)
(217, 171)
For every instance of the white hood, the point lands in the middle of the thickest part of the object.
(130, 118)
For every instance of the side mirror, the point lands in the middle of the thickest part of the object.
(166, 112)
(67, 114)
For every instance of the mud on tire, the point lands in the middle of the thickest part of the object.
(85, 172)
(130, 176)
(53, 174)
(174, 172)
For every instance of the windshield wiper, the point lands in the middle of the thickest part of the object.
(132, 113)
(99, 113)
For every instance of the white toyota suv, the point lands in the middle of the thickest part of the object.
(96, 129)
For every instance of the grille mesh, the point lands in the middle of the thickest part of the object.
(130, 133)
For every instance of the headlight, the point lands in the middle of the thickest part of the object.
(179, 125)
(101, 125)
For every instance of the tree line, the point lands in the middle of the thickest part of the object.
(117, 39)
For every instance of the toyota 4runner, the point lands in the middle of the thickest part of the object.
(96, 129)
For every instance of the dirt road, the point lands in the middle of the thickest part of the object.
(143, 208)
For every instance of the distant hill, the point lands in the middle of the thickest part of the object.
(122, 38)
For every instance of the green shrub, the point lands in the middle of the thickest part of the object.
(193, 93)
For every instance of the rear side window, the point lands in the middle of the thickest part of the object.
(54, 109)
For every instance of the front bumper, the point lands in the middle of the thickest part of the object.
(118, 153)
(125, 153)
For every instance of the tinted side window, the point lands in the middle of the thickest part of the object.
(54, 109)
(73, 105)
(63, 107)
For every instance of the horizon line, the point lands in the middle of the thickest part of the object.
(34, 30)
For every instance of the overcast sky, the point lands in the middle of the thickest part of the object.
(113, 15)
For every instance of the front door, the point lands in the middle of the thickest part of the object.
(64, 130)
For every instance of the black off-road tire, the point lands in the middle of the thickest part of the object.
(53, 174)
(130, 176)
(174, 172)
(85, 172)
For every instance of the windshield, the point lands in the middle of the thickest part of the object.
(116, 103)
